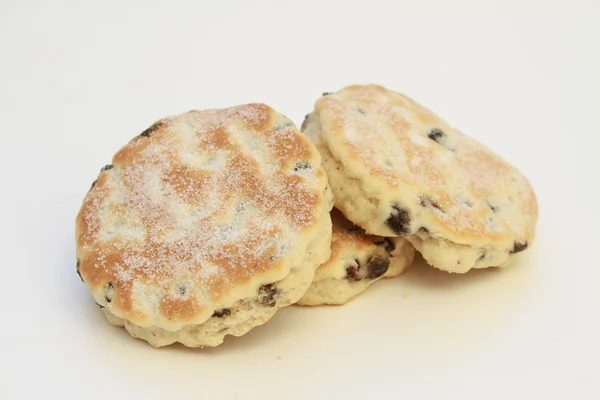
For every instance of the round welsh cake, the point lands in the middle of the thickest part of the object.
(397, 169)
(204, 225)
(357, 261)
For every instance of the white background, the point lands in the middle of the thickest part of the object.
(79, 79)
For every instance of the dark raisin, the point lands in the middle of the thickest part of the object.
(494, 209)
(224, 312)
(93, 184)
(481, 257)
(78, 271)
(100, 306)
(436, 135)
(182, 290)
(109, 292)
(353, 227)
(352, 273)
(518, 247)
(148, 132)
(399, 220)
(327, 93)
(427, 202)
(106, 168)
(377, 266)
(424, 230)
(266, 295)
(439, 137)
(300, 165)
(387, 243)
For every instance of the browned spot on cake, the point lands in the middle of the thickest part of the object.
(89, 222)
(175, 308)
(297, 204)
(191, 185)
(242, 264)
(256, 116)
(288, 146)
(217, 138)
(131, 152)
(96, 267)
(124, 301)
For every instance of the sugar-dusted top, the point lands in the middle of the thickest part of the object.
(195, 209)
(457, 187)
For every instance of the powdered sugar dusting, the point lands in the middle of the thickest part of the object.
(197, 211)
(388, 135)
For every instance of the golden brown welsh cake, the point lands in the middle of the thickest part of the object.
(204, 225)
(397, 169)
